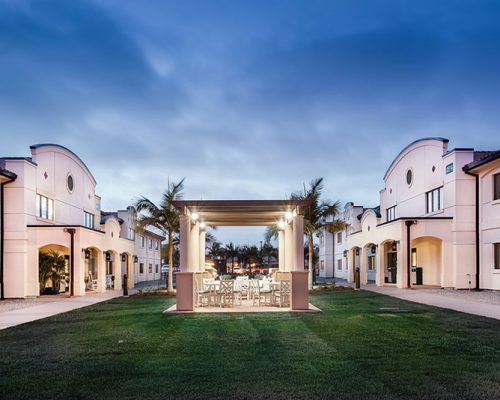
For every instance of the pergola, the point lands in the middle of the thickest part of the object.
(195, 215)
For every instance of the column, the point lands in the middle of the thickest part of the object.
(298, 243)
(350, 265)
(363, 265)
(117, 270)
(184, 234)
(379, 265)
(402, 273)
(101, 273)
(288, 248)
(281, 250)
(194, 248)
(202, 240)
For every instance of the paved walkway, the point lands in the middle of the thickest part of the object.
(458, 303)
(48, 309)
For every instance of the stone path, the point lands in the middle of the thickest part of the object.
(40, 308)
(483, 303)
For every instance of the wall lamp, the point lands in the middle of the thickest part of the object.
(195, 216)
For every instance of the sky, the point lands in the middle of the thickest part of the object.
(246, 99)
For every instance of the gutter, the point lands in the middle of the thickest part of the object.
(2, 238)
(478, 247)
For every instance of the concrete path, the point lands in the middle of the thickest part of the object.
(28, 314)
(437, 300)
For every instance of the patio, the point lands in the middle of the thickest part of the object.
(195, 291)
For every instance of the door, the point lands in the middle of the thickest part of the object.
(392, 267)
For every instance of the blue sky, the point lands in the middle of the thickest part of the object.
(246, 99)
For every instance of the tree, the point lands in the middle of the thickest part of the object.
(316, 216)
(163, 217)
(51, 266)
(231, 251)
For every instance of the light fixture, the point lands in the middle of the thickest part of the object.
(124, 257)
(203, 225)
(194, 216)
(288, 215)
(281, 225)
(136, 259)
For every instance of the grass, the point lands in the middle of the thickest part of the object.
(362, 346)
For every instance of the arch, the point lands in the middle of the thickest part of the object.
(49, 286)
(112, 263)
(127, 267)
(388, 261)
(427, 260)
(369, 264)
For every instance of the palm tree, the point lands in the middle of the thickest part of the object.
(231, 251)
(163, 217)
(51, 266)
(316, 215)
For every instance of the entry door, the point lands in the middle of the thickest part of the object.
(392, 267)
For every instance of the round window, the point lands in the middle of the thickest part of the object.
(71, 184)
(409, 177)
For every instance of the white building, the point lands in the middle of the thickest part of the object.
(48, 203)
(147, 247)
(427, 231)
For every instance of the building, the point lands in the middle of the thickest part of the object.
(49, 203)
(147, 247)
(433, 227)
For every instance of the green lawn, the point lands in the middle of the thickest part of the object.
(354, 349)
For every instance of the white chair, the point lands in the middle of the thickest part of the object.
(200, 295)
(281, 296)
(226, 293)
(92, 284)
(261, 293)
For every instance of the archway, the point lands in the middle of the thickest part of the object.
(53, 269)
(426, 261)
(389, 261)
(369, 263)
(112, 269)
(127, 260)
(91, 273)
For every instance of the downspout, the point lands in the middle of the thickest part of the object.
(72, 232)
(2, 237)
(478, 247)
(408, 252)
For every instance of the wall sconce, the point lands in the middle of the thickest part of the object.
(136, 259)
(87, 253)
(281, 225)
(194, 216)
(108, 256)
(124, 257)
(394, 246)
(289, 215)
(357, 251)
(374, 248)
(345, 253)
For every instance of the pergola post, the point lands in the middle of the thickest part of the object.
(300, 277)
(288, 248)
(201, 252)
(184, 278)
(281, 250)
(194, 240)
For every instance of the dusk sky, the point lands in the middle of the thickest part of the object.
(246, 99)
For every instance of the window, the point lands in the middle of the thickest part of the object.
(339, 264)
(150, 269)
(142, 241)
(156, 268)
(391, 213)
(371, 263)
(44, 207)
(131, 234)
(157, 245)
(409, 177)
(496, 249)
(141, 268)
(88, 220)
(496, 187)
(339, 237)
(434, 200)
(70, 183)
(150, 243)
